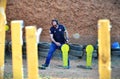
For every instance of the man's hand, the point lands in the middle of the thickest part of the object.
(67, 41)
(58, 44)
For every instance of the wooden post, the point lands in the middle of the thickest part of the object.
(2, 44)
(32, 54)
(2, 35)
(3, 3)
(104, 49)
(3, 8)
(16, 33)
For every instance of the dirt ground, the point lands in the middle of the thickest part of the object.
(54, 71)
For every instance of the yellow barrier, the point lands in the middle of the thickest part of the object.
(16, 49)
(3, 4)
(2, 45)
(32, 56)
(3, 8)
(104, 49)
(2, 36)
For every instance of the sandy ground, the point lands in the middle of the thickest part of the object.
(56, 72)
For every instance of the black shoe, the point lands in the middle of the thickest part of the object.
(44, 65)
(42, 68)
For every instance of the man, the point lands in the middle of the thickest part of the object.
(58, 36)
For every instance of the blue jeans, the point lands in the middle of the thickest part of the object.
(52, 49)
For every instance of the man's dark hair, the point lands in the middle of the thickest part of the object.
(55, 21)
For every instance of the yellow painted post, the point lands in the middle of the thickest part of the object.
(2, 36)
(104, 49)
(3, 8)
(3, 3)
(16, 33)
(32, 54)
(2, 44)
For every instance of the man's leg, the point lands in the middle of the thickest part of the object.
(52, 49)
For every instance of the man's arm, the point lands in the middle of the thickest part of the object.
(52, 39)
(66, 35)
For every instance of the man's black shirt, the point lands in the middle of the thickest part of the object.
(58, 33)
